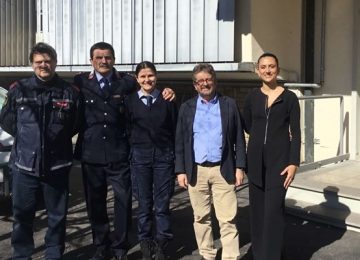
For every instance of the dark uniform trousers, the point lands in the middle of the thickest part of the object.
(153, 179)
(96, 179)
(25, 191)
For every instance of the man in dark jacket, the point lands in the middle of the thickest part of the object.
(210, 159)
(103, 149)
(41, 113)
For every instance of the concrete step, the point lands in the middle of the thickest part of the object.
(329, 204)
(329, 194)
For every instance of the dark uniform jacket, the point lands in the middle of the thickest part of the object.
(151, 127)
(102, 138)
(42, 117)
(274, 136)
(233, 143)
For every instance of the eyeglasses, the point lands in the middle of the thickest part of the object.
(203, 81)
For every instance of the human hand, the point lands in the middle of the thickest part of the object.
(239, 177)
(182, 180)
(290, 175)
(169, 94)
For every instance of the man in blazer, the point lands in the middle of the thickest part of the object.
(210, 161)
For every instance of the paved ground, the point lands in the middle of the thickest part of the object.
(303, 239)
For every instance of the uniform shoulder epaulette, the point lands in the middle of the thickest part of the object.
(91, 75)
(13, 85)
(82, 74)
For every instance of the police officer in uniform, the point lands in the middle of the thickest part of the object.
(41, 113)
(103, 149)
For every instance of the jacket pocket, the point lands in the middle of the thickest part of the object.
(26, 160)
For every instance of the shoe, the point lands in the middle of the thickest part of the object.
(146, 247)
(102, 255)
(160, 250)
(159, 254)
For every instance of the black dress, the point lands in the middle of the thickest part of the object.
(274, 133)
(274, 143)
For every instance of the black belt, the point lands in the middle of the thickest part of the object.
(209, 164)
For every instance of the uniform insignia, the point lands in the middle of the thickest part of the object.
(91, 75)
(13, 85)
(61, 104)
(116, 96)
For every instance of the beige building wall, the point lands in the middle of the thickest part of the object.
(341, 74)
(273, 26)
(339, 47)
(276, 26)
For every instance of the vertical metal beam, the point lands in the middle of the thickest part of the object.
(341, 142)
(309, 127)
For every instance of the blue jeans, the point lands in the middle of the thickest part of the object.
(26, 188)
(153, 179)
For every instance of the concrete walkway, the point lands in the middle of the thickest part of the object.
(330, 194)
(303, 239)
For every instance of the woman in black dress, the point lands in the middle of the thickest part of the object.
(272, 120)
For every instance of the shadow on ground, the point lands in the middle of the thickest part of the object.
(302, 238)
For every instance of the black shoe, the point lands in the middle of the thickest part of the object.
(160, 250)
(146, 247)
(159, 254)
(102, 255)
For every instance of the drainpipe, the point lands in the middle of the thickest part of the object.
(322, 42)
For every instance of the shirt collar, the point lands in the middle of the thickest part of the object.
(99, 76)
(214, 100)
(155, 93)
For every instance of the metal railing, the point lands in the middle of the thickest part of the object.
(309, 163)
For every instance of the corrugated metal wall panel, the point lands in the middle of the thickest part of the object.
(225, 16)
(197, 30)
(171, 30)
(127, 37)
(163, 31)
(17, 31)
(159, 31)
(183, 29)
(211, 42)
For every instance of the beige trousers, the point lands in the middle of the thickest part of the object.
(212, 187)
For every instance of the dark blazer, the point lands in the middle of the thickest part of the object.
(271, 147)
(233, 143)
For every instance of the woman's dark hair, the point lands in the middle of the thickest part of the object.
(41, 48)
(102, 46)
(268, 54)
(145, 65)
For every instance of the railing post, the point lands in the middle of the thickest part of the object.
(341, 141)
(309, 127)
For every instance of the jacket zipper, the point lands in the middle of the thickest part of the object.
(43, 129)
(267, 114)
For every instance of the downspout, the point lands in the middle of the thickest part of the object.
(322, 42)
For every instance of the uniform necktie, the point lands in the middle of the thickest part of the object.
(105, 82)
(149, 100)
